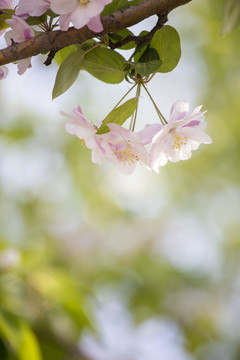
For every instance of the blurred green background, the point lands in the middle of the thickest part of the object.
(98, 266)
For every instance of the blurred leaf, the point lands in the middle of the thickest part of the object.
(29, 348)
(3, 17)
(3, 350)
(167, 43)
(78, 315)
(119, 115)
(19, 336)
(8, 330)
(54, 284)
(231, 15)
(105, 64)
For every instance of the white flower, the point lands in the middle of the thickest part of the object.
(182, 134)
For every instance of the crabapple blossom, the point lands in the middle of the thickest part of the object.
(3, 72)
(80, 126)
(20, 31)
(182, 134)
(33, 7)
(80, 13)
(6, 4)
(128, 149)
(121, 147)
(149, 132)
(85, 130)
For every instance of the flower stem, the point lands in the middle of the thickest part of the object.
(160, 115)
(134, 118)
(124, 96)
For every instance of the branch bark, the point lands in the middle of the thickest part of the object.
(56, 40)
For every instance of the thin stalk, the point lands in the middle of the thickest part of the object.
(124, 96)
(160, 115)
(50, 24)
(134, 118)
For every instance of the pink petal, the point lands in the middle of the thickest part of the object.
(23, 65)
(62, 7)
(64, 21)
(95, 24)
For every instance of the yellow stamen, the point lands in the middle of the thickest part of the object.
(82, 142)
(83, 2)
(126, 156)
(179, 141)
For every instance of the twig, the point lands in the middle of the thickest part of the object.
(162, 19)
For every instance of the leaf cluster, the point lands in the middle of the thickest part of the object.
(161, 54)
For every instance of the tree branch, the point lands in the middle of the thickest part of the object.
(56, 40)
(162, 19)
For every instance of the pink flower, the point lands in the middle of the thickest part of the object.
(149, 132)
(6, 4)
(33, 7)
(3, 72)
(182, 134)
(21, 31)
(128, 149)
(80, 126)
(80, 13)
(85, 130)
(121, 147)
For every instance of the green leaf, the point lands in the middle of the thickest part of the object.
(231, 16)
(149, 55)
(63, 53)
(147, 68)
(68, 72)
(36, 20)
(120, 35)
(105, 64)
(167, 43)
(140, 48)
(119, 115)
(7, 15)
(115, 5)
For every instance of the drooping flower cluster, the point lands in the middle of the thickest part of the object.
(124, 148)
(76, 12)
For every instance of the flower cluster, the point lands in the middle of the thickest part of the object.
(124, 148)
(77, 12)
